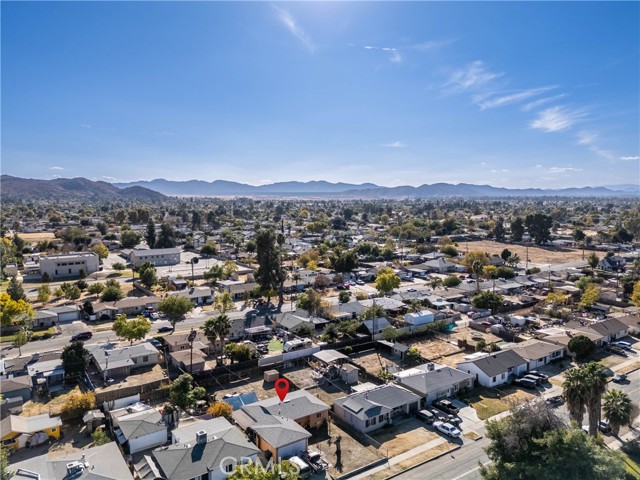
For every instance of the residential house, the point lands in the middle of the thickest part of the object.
(69, 264)
(299, 319)
(612, 264)
(209, 453)
(611, 329)
(375, 326)
(120, 362)
(191, 361)
(10, 406)
(281, 437)
(632, 323)
(439, 265)
(180, 342)
(178, 283)
(433, 382)
(102, 462)
(198, 295)
(494, 369)
(47, 373)
(237, 289)
(68, 313)
(562, 336)
(388, 304)
(129, 306)
(155, 256)
(16, 387)
(44, 319)
(537, 353)
(17, 431)
(138, 427)
(373, 409)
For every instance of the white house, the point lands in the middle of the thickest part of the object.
(433, 382)
(138, 427)
(494, 369)
(419, 318)
(537, 353)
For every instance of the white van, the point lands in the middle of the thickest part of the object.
(296, 344)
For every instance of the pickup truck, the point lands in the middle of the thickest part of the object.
(446, 406)
(447, 429)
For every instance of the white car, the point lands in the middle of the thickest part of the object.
(154, 316)
(447, 429)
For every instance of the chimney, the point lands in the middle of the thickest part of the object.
(201, 436)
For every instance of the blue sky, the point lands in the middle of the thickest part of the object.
(540, 94)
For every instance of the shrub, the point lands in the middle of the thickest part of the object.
(77, 405)
(220, 409)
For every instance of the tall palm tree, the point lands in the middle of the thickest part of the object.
(476, 267)
(217, 328)
(617, 409)
(596, 381)
(575, 393)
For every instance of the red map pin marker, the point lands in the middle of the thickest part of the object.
(282, 388)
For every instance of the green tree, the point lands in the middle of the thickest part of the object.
(533, 443)
(100, 437)
(224, 303)
(112, 292)
(617, 409)
(539, 227)
(21, 338)
(412, 356)
(389, 334)
(451, 281)
(488, 300)
(134, 329)
(270, 274)
(75, 359)
(284, 470)
(238, 352)
(100, 250)
(517, 229)
(593, 260)
(150, 235)
(180, 391)
(581, 346)
(166, 237)
(44, 293)
(119, 266)
(499, 231)
(175, 308)
(635, 296)
(311, 301)
(95, 288)
(129, 238)
(214, 274)
(72, 292)
(208, 248)
(148, 274)
(506, 253)
(386, 281)
(5, 473)
(12, 311)
(344, 261)
(590, 296)
(583, 389)
(344, 296)
(217, 328)
(15, 290)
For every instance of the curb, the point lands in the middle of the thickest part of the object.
(457, 447)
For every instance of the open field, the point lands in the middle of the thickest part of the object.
(37, 237)
(433, 349)
(541, 255)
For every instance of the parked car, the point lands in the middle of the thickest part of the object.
(81, 336)
(447, 429)
(154, 315)
(166, 328)
(446, 406)
(603, 427)
(426, 416)
(621, 344)
(538, 374)
(526, 383)
(555, 401)
(533, 378)
(315, 461)
(619, 378)
(616, 350)
(359, 282)
(155, 343)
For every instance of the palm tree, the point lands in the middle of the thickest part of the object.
(596, 380)
(217, 328)
(575, 393)
(476, 267)
(296, 278)
(617, 409)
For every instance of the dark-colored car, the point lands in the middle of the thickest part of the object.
(426, 416)
(538, 374)
(533, 378)
(621, 377)
(165, 329)
(81, 336)
(555, 401)
(446, 406)
(155, 343)
(526, 383)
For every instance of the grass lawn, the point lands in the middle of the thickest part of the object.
(487, 403)
(275, 346)
(36, 335)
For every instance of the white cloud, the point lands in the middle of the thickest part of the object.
(432, 45)
(394, 54)
(395, 145)
(563, 169)
(494, 100)
(542, 101)
(471, 77)
(296, 30)
(484, 164)
(631, 158)
(111, 179)
(590, 140)
(558, 118)
(56, 176)
(56, 168)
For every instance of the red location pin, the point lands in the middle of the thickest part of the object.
(282, 388)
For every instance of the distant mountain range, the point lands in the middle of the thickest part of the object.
(155, 190)
(365, 190)
(71, 189)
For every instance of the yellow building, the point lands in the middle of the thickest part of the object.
(17, 431)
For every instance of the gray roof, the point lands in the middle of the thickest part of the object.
(139, 424)
(187, 433)
(105, 463)
(40, 314)
(379, 324)
(120, 357)
(189, 460)
(329, 356)
(298, 404)
(439, 378)
(377, 401)
(534, 349)
(14, 384)
(156, 251)
(281, 432)
(497, 363)
(606, 327)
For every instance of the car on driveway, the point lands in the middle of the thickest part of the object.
(446, 406)
(555, 401)
(166, 328)
(154, 316)
(155, 343)
(426, 416)
(526, 383)
(538, 374)
(619, 378)
(447, 429)
(359, 282)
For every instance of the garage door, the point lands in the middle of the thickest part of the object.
(67, 317)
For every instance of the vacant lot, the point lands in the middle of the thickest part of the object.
(54, 407)
(465, 333)
(261, 388)
(402, 437)
(536, 254)
(434, 349)
(373, 361)
(37, 237)
(487, 402)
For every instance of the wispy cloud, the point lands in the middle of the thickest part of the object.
(111, 179)
(474, 75)
(630, 158)
(495, 100)
(56, 176)
(557, 118)
(56, 168)
(591, 141)
(394, 54)
(542, 101)
(296, 30)
(563, 169)
(431, 45)
(395, 145)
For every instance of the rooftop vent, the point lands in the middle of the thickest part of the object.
(201, 436)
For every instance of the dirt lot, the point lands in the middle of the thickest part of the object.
(452, 360)
(37, 237)
(373, 363)
(403, 436)
(536, 254)
(465, 333)
(435, 349)
(353, 453)
(261, 388)
(149, 375)
(53, 407)
(488, 402)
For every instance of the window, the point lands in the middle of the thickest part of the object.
(318, 415)
(145, 358)
(503, 375)
(367, 424)
(381, 418)
(374, 421)
(494, 379)
(228, 468)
